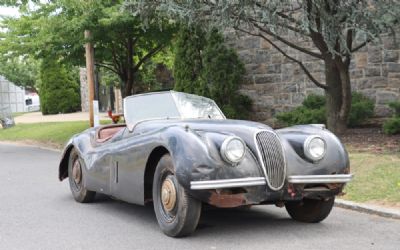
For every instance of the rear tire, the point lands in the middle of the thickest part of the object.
(76, 180)
(177, 212)
(309, 210)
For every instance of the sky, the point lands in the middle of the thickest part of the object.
(8, 11)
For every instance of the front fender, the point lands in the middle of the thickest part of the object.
(196, 157)
(336, 160)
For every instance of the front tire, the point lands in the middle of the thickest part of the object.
(177, 212)
(309, 210)
(76, 180)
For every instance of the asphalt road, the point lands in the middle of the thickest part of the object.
(38, 212)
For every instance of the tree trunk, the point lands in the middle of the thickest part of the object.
(338, 94)
(129, 67)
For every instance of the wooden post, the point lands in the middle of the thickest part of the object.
(90, 73)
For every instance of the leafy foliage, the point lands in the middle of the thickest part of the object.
(55, 29)
(396, 107)
(188, 60)
(392, 125)
(205, 66)
(59, 91)
(313, 111)
(362, 108)
(20, 71)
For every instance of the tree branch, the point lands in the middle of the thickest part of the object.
(147, 56)
(358, 47)
(290, 44)
(107, 67)
(306, 71)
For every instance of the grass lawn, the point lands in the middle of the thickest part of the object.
(52, 133)
(377, 178)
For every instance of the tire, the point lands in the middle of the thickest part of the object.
(177, 212)
(76, 180)
(309, 210)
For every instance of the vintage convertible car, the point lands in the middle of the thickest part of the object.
(179, 151)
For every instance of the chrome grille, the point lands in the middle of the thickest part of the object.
(271, 158)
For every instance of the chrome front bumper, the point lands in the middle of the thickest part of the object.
(259, 181)
(323, 179)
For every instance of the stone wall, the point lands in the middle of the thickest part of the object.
(276, 84)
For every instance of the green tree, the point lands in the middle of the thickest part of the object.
(205, 66)
(336, 28)
(55, 29)
(20, 71)
(58, 90)
(188, 59)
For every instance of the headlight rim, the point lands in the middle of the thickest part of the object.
(307, 152)
(224, 146)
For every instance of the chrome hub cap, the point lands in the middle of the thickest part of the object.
(77, 172)
(168, 194)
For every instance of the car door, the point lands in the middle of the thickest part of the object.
(129, 165)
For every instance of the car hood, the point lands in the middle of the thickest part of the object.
(244, 129)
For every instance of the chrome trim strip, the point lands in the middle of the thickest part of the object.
(306, 179)
(228, 183)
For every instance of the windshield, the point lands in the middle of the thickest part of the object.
(169, 105)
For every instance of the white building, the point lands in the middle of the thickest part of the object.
(12, 96)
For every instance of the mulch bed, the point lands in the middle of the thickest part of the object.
(371, 139)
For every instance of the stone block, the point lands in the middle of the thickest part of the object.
(394, 83)
(262, 56)
(273, 69)
(374, 55)
(384, 97)
(277, 58)
(298, 98)
(267, 78)
(356, 73)
(382, 111)
(246, 56)
(393, 67)
(282, 99)
(361, 59)
(264, 44)
(391, 56)
(372, 71)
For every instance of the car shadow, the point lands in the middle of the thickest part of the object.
(229, 222)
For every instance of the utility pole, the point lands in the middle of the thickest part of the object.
(90, 73)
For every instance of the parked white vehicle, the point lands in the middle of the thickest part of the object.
(32, 102)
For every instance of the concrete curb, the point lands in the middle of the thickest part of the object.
(369, 209)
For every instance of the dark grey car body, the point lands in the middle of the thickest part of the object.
(123, 165)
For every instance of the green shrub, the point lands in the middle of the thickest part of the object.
(313, 111)
(59, 92)
(302, 115)
(362, 108)
(392, 126)
(396, 108)
(205, 66)
(314, 101)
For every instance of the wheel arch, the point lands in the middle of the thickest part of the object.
(150, 169)
(63, 168)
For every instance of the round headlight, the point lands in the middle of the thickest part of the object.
(233, 149)
(314, 148)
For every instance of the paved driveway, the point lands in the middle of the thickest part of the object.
(38, 212)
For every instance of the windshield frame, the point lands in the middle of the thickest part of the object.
(174, 96)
